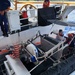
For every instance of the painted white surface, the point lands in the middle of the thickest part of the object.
(71, 17)
(7, 68)
(13, 19)
(17, 66)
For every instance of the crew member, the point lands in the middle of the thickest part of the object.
(46, 3)
(4, 7)
(60, 35)
(70, 41)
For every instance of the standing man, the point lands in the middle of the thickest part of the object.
(46, 3)
(4, 7)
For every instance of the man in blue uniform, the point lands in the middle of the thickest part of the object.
(4, 7)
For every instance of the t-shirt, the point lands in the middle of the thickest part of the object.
(60, 38)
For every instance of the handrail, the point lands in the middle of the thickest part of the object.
(41, 2)
(55, 47)
(25, 6)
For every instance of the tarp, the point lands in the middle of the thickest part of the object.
(45, 14)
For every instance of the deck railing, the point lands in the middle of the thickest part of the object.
(41, 2)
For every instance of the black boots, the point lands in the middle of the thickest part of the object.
(5, 34)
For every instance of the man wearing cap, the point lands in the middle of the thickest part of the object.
(4, 7)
